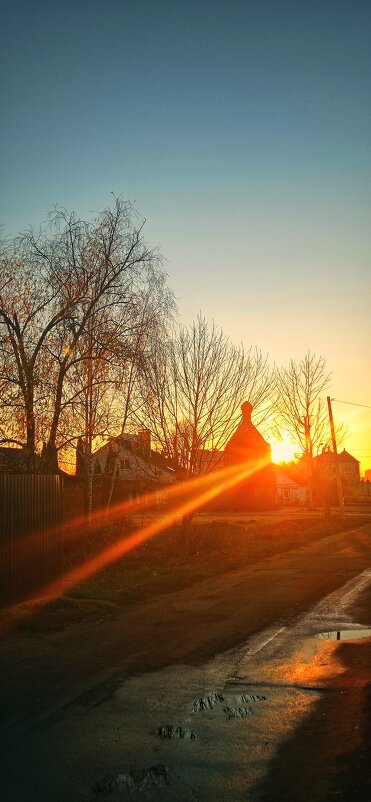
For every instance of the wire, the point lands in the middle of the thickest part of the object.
(351, 403)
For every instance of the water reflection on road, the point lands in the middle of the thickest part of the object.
(345, 634)
(189, 733)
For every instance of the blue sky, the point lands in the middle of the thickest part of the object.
(242, 132)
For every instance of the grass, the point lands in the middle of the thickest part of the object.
(173, 560)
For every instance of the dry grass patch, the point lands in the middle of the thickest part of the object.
(172, 560)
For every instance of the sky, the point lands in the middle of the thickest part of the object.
(242, 132)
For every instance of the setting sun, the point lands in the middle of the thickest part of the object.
(283, 450)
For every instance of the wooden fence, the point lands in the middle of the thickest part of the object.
(30, 536)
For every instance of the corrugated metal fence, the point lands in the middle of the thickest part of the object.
(30, 536)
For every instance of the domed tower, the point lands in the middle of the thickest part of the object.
(247, 443)
(248, 448)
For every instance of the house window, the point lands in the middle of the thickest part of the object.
(286, 494)
(124, 463)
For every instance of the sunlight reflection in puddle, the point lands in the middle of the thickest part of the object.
(345, 634)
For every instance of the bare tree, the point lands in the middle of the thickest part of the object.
(302, 408)
(55, 282)
(153, 315)
(301, 403)
(195, 384)
(100, 391)
(88, 411)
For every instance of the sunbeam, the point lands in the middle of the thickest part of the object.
(202, 490)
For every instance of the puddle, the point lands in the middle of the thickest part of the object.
(345, 634)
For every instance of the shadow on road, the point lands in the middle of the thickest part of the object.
(328, 757)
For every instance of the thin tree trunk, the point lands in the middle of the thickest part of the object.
(57, 409)
(112, 482)
(89, 487)
(28, 396)
(30, 429)
(89, 427)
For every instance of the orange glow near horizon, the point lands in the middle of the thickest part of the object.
(357, 442)
(283, 450)
(202, 490)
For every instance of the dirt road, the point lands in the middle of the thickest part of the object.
(81, 708)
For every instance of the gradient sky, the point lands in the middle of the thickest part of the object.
(242, 132)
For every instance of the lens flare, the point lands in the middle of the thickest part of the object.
(199, 492)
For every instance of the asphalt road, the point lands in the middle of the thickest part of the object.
(220, 691)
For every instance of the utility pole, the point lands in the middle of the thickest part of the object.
(336, 462)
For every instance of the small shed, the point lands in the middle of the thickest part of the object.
(290, 492)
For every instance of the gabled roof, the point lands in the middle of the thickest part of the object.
(281, 472)
(328, 456)
(125, 446)
(160, 461)
(344, 455)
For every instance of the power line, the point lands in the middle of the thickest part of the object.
(351, 403)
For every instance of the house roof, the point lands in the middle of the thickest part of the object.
(285, 473)
(344, 455)
(19, 460)
(158, 459)
(327, 456)
(126, 445)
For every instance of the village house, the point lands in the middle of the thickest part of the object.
(354, 489)
(208, 461)
(140, 468)
(20, 460)
(290, 490)
(348, 466)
